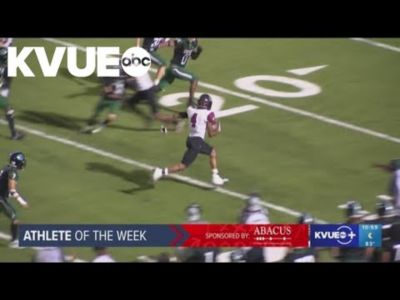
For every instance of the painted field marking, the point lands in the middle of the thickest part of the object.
(376, 44)
(269, 103)
(182, 178)
(306, 71)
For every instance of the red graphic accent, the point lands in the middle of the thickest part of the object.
(179, 235)
(266, 235)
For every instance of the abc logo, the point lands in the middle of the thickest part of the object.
(136, 61)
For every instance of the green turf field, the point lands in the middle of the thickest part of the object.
(292, 160)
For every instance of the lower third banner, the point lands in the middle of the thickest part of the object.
(199, 235)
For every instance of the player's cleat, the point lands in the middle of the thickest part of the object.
(218, 180)
(157, 174)
(18, 136)
(87, 129)
(91, 129)
(164, 129)
(98, 129)
(15, 245)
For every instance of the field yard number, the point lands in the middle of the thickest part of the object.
(305, 88)
(218, 101)
(181, 98)
(249, 83)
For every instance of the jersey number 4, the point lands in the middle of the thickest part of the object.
(193, 120)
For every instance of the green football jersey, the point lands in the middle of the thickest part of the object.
(183, 51)
(8, 172)
(152, 44)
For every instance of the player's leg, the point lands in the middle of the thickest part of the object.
(100, 106)
(10, 213)
(168, 79)
(113, 108)
(167, 119)
(212, 153)
(9, 114)
(162, 66)
(135, 99)
(187, 76)
(193, 88)
(188, 158)
(93, 120)
(6, 80)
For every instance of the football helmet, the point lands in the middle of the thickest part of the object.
(306, 218)
(384, 208)
(193, 212)
(18, 160)
(353, 209)
(204, 101)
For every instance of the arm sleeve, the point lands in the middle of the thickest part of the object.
(13, 175)
(211, 118)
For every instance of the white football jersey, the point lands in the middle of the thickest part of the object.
(49, 254)
(105, 258)
(256, 218)
(396, 189)
(144, 82)
(198, 119)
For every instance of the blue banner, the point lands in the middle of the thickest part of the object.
(132, 235)
(370, 235)
(345, 235)
(101, 235)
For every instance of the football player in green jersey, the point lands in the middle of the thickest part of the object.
(302, 255)
(113, 93)
(152, 45)
(184, 48)
(5, 83)
(8, 187)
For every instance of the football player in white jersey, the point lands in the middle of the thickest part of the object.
(49, 255)
(144, 87)
(253, 212)
(201, 119)
(102, 256)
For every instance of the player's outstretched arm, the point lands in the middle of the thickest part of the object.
(167, 43)
(213, 129)
(12, 187)
(195, 54)
(383, 167)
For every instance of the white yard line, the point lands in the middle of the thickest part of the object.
(273, 104)
(4, 236)
(185, 179)
(376, 44)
